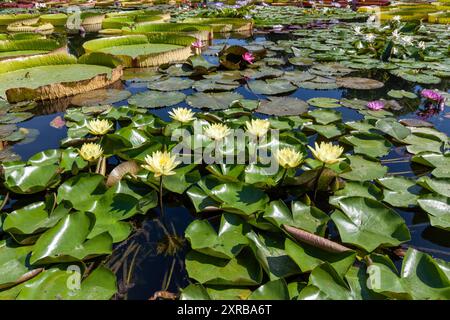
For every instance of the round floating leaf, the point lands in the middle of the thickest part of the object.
(215, 101)
(283, 106)
(393, 128)
(359, 83)
(31, 179)
(369, 224)
(438, 209)
(324, 102)
(66, 242)
(272, 290)
(363, 169)
(372, 145)
(399, 94)
(325, 116)
(156, 99)
(271, 87)
(52, 285)
(241, 270)
(227, 243)
(440, 186)
(171, 84)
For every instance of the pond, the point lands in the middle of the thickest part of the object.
(143, 262)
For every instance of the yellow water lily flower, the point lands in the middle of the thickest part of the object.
(182, 114)
(217, 131)
(99, 127)
(161, 163)
(258, 127)
(327, 152)
(91, 151)
(289, 158)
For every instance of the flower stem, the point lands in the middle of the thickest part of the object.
(161, 206)
(316, 181)
(283, 177)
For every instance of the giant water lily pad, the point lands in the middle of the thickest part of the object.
(144, 50)
(215, 101)
(56, 75)
(156, 99)
(368, 224)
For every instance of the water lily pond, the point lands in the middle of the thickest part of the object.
(237, 152)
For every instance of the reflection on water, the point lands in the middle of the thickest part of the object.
(141, 270)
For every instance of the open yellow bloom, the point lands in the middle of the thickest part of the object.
(161, 163)
(99, 127)
(217, 131)
(91, 151)
(327, 152)
(182, 114)
(289, 158)
(258, 127)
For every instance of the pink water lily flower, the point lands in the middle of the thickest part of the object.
(248, 57)
(431, 95)
(197, 44)
(375, 105)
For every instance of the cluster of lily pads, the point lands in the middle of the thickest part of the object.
(328, 224)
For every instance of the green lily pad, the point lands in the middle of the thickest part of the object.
(156, 99)
(324, 102)
(66, 241)
(227, 243)
(215, 101)
(171, 84)
(359, 83)
(241, 270)
(283, 106)
(438, 209)
(271, 87)
(372, 145)
(369, 224)
(363, 169)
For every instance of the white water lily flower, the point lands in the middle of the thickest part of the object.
(395, 34)
(396, 18)
(99, 127)
(183, 115)
(407, 40)
(90, 151)
(217, 131)
(357, 30)
(289, 158)
(326, 152)
(258, 127)
(370, 37)
(161, 163)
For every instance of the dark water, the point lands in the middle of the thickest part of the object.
(144, 270)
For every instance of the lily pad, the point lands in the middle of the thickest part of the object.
(369, 224)
(215, 101)
(156, 99)
(359, 83)
(283, 106)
